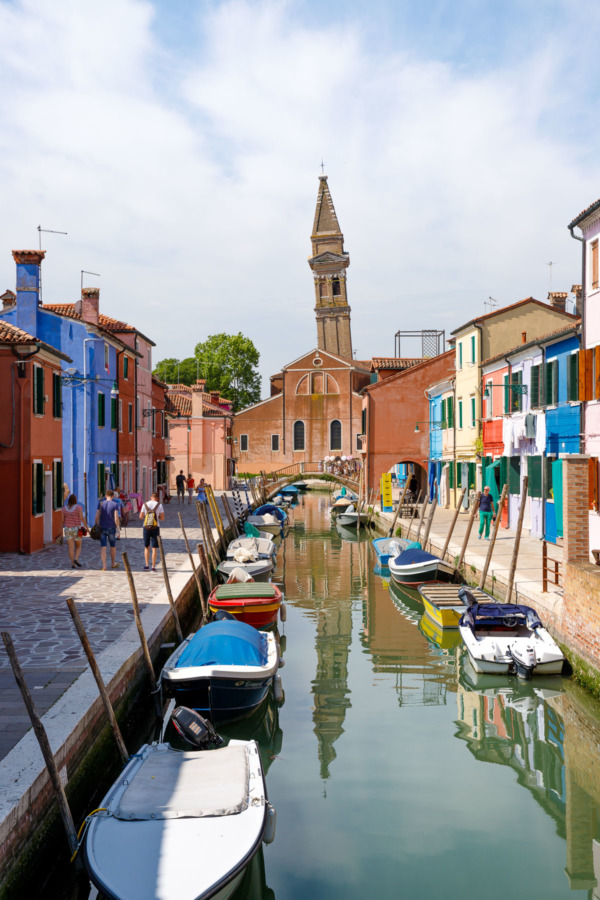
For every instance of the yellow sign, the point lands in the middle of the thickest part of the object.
(387, 504)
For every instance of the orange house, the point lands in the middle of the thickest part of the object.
(31, 455)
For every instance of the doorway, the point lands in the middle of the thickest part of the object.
(48, 497)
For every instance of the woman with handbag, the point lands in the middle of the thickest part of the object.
(74, 528)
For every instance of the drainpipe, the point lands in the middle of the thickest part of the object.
(583, 330)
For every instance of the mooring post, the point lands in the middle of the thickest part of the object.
(422, 516)
(140, 628)
(211, 540)
(429, 522)
(472, 515)
(488, 557)
(112, 719)
(205, 563)
(513, 562)
(193, 564)
(398, 508)
(42, 738)
(163, 562)
(453, 522)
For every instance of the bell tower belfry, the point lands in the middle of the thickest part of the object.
(329, 263)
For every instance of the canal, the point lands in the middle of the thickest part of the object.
(395, 770)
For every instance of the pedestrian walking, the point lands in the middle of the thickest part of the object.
(180, 482)
(74, 528)
(201, 491)
(152, 512)
(413, 487)
(190, 488)
(107, 517)
(486, 512)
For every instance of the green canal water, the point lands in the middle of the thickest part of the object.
(394, 769)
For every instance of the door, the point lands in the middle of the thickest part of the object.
(48, 507)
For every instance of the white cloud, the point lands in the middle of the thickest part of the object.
(189, 180)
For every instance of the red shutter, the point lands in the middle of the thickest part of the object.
(589, 374)
(593, 482)
(597, 385)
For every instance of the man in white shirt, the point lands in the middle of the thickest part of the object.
(152, 513)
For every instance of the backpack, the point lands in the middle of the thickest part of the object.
(150, 519)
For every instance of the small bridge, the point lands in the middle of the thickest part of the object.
(275, 481)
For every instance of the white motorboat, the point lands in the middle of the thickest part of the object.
(259, 547)
(503, 638)
(350, 516)
(266, 522)
(258, 569)
(180, 825)
(414, 567)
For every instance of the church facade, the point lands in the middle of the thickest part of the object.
(315, 407)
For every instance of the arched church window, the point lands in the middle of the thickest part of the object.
(332, 385)
(302, 386)
(336, 289)
(322, 289)
(335, 435)
(299, 435)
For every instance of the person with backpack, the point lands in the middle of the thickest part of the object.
(152, 512)
(107, 517)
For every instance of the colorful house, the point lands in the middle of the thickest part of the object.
(31, 455)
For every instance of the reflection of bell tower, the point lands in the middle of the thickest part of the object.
(329, 263)
(330, 686)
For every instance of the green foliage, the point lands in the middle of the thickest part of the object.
(228, 363)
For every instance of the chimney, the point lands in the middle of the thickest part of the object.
(9, 298)
(28, 287)
(201, 384)
(557, 300)
(89, 305)
(578, 291)
(214, 397)
(523, 337)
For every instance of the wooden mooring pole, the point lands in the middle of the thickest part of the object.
(429, 522)
(140, 628)
(205, 563)
(163, 563)
(472, 515)
(453, 522)
(112, 719)
(515, 555)
(42, 738)
(488, 557)
(422, 516)
(193, 565)
(398, 508)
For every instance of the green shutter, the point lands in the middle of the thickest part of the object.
(572, 377)
(460, 419)
(101, 411)
(534, 397)
(113, 413)
(125, 367)
(473, 348)
(38, 504)
(516, 399)
(472, 471)
(101, 479)
(534, 471)
(451, 474)
(503, 471)
(551, 383)
(450, 408)
(473, 412)
(443, 422)
(58, 484)
(56, 395)
(514, 475)
(548, 493)
(38, 390)
(506, 396)
(460, 356)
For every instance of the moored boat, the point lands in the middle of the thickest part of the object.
(504, 638)
(180, 825)
(414, 567)
(257, 569)
(269, 518)
(224, 670)
(391, 547)
(256, 604)
(258, 547)
(445, 603)
(350, 516)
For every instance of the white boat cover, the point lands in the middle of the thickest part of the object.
(171, 784)
(245, 554)
(239, 576)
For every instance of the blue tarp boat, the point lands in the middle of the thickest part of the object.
(224, 670)
(414, 567)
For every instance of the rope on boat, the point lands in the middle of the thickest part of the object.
(83, 828)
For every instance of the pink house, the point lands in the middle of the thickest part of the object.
(199, 435)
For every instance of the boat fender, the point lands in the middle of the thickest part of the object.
(278, 689)
(281, 663)
(282, 612)
(269, 833)
(222, 614)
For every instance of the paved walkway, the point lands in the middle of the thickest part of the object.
(33, 610)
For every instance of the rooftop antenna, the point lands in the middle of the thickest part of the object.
(47, 231)
(322, 166)
(491, 302)
(550, 264)
(87, 272)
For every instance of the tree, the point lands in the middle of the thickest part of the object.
(228, 362)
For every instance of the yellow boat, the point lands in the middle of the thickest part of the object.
(445, 639)
(443, 604)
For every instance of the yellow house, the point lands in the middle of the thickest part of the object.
(477, 340)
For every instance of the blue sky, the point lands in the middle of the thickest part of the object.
(179, 145)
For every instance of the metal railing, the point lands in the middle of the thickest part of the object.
(550, 567)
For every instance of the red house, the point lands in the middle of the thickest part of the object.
(31, 456)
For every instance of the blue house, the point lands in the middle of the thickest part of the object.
(438, 421)
(89, 384)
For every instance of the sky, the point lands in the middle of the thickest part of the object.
(179, 145)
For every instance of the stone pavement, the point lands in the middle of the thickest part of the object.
(33, 610)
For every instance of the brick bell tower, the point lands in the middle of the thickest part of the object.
(329, 263)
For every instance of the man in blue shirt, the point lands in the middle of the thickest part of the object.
(107, 517)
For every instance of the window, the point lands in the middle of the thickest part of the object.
(335, 435)
(113, 413)
(243, 443)
(472, 348)
(275, 443)
(443, 412)
(460, 356)
(120, 415)
(298, 435)
(514, 475)
(106, 357)
(593, 483)
(594, 249)
(551, 383)
(489, 400)
(473, 413)
(37, 486)
(535, 399)
(472, 475)
(451, 475)
(101, 410)
(101, 479)
(450, 411)
(359, 443)
(363, 421)
(38, 390)
(572, 377)
(516, 404)
(460, 414)
(322, 289)
(336, 288)
(534, 471)
(125, 367)
(506, 396)
(130, 417)
(57, 483)
(56, 396)
(548, 486)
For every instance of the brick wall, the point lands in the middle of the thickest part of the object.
(576, 527)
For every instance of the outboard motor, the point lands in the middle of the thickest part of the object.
(468, 598)
(194, 728)
(525, 660)
(220, 615)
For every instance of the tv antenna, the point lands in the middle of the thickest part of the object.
(550, 264)
(491, 302)
(46, 231)
(322, 166)
(87, 272)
